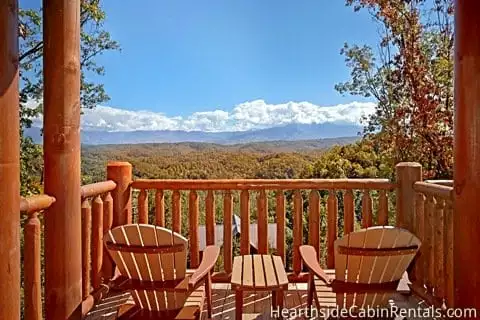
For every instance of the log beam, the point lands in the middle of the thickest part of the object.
(63, 246)
(9, 163)
(467, 154)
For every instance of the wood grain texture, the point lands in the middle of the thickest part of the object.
(86, 246)
(97, 241)
(332, 216)
(176, 211)
(193, 224)
(227, 231)
(382, 208)
(262, 209)
(143, 206)
(245, 222)
(348, 212)
(210, 217)
(32, 268)
(280, 216)
(159, 208)
(314, 220)
(367, 209)
(297, 230)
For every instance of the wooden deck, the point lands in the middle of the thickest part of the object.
(256, 305)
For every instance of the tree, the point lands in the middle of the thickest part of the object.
(94, 41)
(410, 75)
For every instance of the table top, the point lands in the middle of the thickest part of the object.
(258, 272)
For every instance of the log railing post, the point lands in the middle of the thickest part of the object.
(407, 174)
(121, 173)
(466, 164)
(9, 163)
(61, 145)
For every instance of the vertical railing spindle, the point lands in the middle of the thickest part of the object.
(314, 221)
(32, 268)
(97, 241)
(107, 267)
(280, 215)
(244, 222)
(332, 213)
(367, 216)
(382, 208)
(143, 206)
(86, 246)
(348, 210)
(227, 231)
(449, 259)
(419, 262)
(297, 230)
(176, 212)
(438, 250)
(159, 208)
(193, 229)
(428, 243)
(210, 217)
(262, 222)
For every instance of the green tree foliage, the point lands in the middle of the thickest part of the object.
(95, 40)
(410, 75)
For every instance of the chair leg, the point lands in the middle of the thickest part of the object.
(311, 289)
(208, 291)
(238, 304)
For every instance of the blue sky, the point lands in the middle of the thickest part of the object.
(181, 57)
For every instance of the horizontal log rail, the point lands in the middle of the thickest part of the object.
(432, 275)
(36, 203)
(32, 206)
(448, 183)
(263, 184)
(94, 189)
(292, 202)
(434, 189)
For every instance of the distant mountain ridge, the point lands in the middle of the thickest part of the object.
(291, 132)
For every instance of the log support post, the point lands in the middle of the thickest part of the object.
(121, 173)
(407, 174)
(466, 172)
(63, 245)
(9, 163)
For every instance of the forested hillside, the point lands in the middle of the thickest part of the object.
(204, 160)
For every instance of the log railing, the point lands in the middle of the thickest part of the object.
(250, 200)
(432, 275)
(32, 253)
(97, 217)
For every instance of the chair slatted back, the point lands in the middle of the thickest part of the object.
(163, 258)
(387, 252)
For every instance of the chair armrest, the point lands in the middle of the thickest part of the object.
(309, 256)
(210, 255)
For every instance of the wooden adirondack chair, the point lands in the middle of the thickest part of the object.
(153, 261)
(369, 264)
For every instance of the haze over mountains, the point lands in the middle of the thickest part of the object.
(290, 132)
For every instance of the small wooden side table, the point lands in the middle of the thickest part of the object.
(258, 273)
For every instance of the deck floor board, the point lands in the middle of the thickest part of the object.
(256, 305)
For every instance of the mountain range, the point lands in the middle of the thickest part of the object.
(291, 132)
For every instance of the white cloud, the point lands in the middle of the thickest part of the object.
(249, 115)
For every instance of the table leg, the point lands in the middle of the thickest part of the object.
(238, 304)
(280, 299)
(274, 299)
